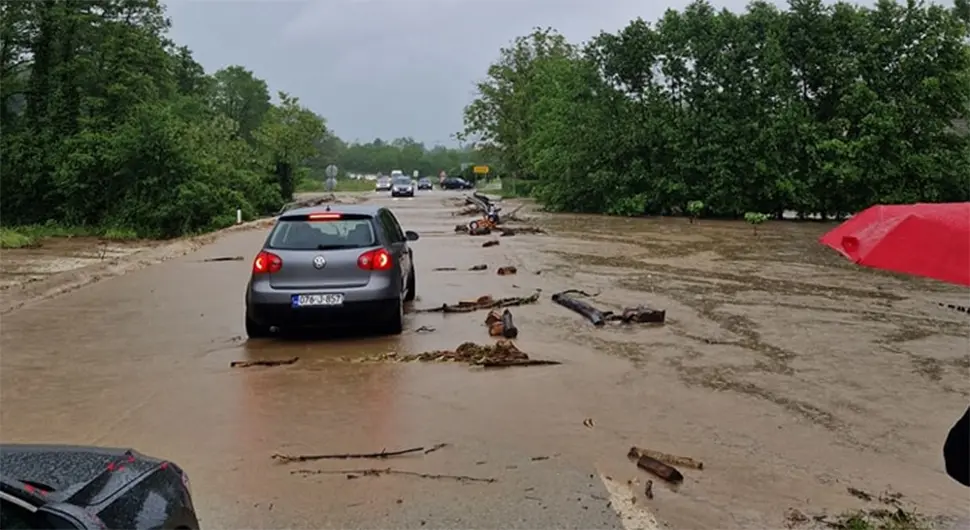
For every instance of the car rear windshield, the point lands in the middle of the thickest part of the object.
(302, 233)
(402, 181)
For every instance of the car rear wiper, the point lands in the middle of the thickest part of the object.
(337, 247)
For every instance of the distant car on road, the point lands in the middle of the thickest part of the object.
(88, 488)
(456, 183)
(424, 183)
(383, 184)
(402, 187)
(322, 266)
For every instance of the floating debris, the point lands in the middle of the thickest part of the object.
(357, 473)
(249, 364)
(505, 231)
(639, 314)
(674, 460)
(503, 353)
(223, 258)
(286, 459)
(501, 325)
(482, 302)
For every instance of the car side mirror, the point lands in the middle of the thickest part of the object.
(411, 235)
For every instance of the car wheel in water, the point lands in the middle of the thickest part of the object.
(255, 330)
(411, 287)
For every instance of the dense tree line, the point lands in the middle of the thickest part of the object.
(104, 122)
(818, 109)
(405, 154)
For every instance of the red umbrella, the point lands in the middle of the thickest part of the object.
(925, 239)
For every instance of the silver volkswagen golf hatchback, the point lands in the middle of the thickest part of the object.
(331, 266)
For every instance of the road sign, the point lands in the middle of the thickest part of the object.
(416, 173)
(331, 171)
(480, 170)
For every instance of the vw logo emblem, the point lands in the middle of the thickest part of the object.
(319, 262)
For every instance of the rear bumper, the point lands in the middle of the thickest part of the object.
(349, 314)
(273, 307)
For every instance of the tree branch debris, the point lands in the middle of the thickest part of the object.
(451, 269)
(286, 459)
(482, 302)
(223, 258)
(673, 460)
(357, 473)
(505, 231)
(249, 364)
(503, 353)
(661, 464)
(638, 314)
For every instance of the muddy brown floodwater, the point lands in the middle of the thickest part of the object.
(789, 373)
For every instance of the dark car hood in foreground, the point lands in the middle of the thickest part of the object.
(122, 488)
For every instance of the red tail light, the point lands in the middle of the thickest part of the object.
(266, 263)
(375, 260)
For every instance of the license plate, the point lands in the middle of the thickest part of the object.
(317, 300)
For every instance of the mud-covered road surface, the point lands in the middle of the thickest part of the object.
(790, 374)
(59, 255)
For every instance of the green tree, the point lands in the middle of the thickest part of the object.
(820, 109)
(237, 93)
(288, 137)
(107, 123)
(405, 154)
(497, 120)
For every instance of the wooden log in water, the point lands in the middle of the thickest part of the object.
(643, 314)
(658, 468)
(597, 317)
(509, 330)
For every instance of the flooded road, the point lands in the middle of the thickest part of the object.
(790, 374)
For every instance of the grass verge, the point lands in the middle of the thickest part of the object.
(33, 235)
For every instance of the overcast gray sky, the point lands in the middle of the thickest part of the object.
(385, 68)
